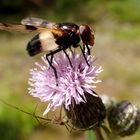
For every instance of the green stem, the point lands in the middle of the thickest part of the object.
(110, 135)
(98, 134)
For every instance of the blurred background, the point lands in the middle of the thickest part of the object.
(117, 46)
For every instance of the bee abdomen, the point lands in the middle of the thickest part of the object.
(43, 42)
(34, 46)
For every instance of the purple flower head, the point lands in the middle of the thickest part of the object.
(73, 82)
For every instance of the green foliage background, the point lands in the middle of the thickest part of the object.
(117, 47)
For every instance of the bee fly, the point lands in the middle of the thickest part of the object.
(53, 37)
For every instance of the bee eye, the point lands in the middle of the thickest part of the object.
(86, 35)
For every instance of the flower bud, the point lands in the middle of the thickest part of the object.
(124, 119)
(88, 114)
(108, 101)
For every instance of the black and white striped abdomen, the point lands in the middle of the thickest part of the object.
(43, 42)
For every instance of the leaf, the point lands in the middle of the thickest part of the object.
(90, 135)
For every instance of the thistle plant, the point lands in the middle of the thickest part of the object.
(76, 93)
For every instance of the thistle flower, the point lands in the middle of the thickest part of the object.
(73, 82)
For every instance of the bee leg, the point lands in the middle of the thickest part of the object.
(84, 48)
(88, 49)
(67, 57)
(70, 49)
(84, 55)
(54, 69)
(51, 60)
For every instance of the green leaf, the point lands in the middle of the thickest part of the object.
(90, 135)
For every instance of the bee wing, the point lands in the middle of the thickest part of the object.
(29, 28)
(38, 22)
(17, 27)
(32, 21)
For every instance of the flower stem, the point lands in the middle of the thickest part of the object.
(98, 134)
(110, 135)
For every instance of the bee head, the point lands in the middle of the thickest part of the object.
(86, 34)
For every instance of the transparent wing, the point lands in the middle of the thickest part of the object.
(32, 21)
(32, 24)
(29, 28)
(38, 22)
(16, 27)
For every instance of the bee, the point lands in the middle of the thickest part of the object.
(53, 37)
